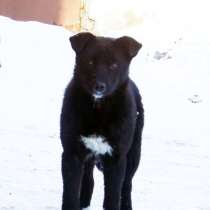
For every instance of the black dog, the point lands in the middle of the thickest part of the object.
(101, 121)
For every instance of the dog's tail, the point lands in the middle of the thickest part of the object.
(136, 145)
(139, 105)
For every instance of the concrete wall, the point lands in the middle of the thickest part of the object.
(60, 12)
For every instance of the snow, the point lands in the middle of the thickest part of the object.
(172, 72)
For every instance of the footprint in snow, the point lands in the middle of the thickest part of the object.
(195, 99)
(161, 55)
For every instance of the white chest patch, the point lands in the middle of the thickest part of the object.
(97, 145)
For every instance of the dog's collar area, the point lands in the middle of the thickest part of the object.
(97, 99)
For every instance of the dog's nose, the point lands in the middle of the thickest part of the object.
(100, 87)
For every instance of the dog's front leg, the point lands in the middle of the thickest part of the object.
(72, 175)
(114, 172)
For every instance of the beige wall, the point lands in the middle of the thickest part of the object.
(61, 12)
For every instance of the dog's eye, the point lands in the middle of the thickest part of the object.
(113, 66)
(90, 62)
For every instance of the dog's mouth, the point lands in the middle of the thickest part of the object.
(98, 96)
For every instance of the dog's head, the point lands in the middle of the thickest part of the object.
(102, 63)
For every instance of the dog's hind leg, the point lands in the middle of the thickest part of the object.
(133, 158)
(87, 185)
(132, 164)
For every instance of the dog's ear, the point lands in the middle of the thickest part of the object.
(129, 45)
(79, 41)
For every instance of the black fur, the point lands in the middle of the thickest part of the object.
(117, 115)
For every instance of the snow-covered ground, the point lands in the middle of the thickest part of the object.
(173, 74)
